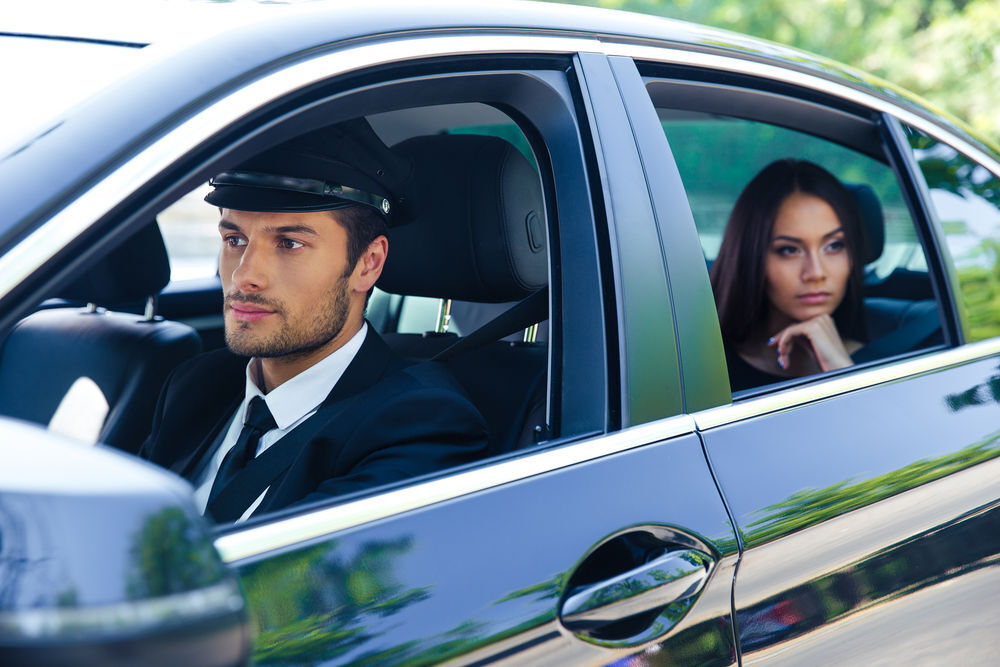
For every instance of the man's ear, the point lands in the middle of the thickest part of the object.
(370, 265)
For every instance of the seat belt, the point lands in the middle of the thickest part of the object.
(903, 339)
(528, 311)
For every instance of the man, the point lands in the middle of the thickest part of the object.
(307, 402)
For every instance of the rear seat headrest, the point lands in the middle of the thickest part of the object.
(478, 232)
(872, 220)
(137, 268)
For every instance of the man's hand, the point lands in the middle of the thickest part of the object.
(819, 337)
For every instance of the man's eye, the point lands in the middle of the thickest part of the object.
(290, 244)
(235, 241)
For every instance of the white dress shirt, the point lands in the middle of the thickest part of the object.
(291, 403)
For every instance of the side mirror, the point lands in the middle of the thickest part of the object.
(104, 560)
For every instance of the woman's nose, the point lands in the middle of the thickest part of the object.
(813, 268)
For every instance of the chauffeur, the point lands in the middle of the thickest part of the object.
(307, 402)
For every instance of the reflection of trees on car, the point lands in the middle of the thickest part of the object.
(169, 556)
(291, 597)
(934, 557)
(810, 507)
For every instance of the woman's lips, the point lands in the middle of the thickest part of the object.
(249, 312)
(814, 297)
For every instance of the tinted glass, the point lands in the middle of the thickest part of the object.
(966, 198)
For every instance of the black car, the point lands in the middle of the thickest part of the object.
(633, 510)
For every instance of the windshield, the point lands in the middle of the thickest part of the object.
(43, 77)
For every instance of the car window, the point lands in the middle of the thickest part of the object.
(718, 152)
(966, 199)
(507, 381)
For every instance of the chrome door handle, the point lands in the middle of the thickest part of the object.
(672, 577)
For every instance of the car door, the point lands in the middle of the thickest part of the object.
(865, 501)
(606, 540)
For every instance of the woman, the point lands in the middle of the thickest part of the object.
(786, 280)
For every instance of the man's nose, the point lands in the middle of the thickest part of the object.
(251, 274)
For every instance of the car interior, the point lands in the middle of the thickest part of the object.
(474, 252)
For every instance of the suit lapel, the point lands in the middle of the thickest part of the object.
(373, 361)
(190, 465)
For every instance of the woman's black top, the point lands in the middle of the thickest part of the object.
(744, 376)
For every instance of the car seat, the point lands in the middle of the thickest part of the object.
(478, 235)
(898, 319)
(89, 372)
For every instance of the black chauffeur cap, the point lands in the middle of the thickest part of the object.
(334, 167)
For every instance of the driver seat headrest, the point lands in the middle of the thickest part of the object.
(478, 231)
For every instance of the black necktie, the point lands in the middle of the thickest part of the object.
(256, 422)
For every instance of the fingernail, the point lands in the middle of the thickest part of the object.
(781, 364)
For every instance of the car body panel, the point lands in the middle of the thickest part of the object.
(481, 576)
(865, 512)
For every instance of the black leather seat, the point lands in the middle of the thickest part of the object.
(478, 236)
(69, 363)
(899, 323)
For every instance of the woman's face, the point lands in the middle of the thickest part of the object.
(807, 263)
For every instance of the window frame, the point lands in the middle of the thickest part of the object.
(794, 103)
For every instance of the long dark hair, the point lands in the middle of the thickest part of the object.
(738, 271)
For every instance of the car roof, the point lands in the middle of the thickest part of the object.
(313, 23)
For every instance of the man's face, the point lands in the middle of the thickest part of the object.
(286, 282)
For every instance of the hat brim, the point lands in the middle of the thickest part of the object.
(264, 200)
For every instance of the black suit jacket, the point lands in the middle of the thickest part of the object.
(383, 422)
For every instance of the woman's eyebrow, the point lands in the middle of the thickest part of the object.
(795, 239)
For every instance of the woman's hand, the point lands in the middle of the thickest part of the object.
(819, 337)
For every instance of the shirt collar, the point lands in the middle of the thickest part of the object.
(300, 395)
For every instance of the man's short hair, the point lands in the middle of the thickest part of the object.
(363, 225)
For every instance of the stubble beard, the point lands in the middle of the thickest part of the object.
(292, 339)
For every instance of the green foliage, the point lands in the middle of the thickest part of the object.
(809, 507)
(171, 554)
(946, 51)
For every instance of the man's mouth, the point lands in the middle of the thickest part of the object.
(248, 312)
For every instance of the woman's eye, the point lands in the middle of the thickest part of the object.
(290, 244)
(836, 246)
(786, 250)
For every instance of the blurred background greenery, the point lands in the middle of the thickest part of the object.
(947, 51)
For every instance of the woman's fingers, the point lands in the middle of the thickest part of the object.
(819, 337)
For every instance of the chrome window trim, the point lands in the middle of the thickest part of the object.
(59, 231)
(676, 56)
(301, 529)
(823, 389)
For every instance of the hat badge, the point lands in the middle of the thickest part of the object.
(385, 206)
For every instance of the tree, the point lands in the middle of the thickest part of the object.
(947, 51)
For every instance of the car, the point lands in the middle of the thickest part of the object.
(579, 164)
